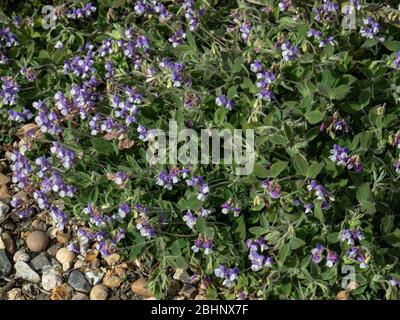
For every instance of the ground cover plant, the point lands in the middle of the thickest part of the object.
(84, 85)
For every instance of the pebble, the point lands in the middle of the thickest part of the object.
(8, 243)
(39, 262)
(66, 258)
(37, 241)
(79, 296)
(9, 225)
(173, 288)
(94, 276)
(79, 264)
(51, 278)
(3, 209)
(4, 179)
(25, 272)
(63, 238)
(21, 255)
(52, 251)
(342, 295)
(200, 297)
(15, 294)
(5, 264)
(78, 281)
(188, 291)
(112, 259)
(139, 287)
(111, 280)
(39, 225)
(182, 275)
(99, 292)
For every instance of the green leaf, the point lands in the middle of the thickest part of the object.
(260, 171)
(296, 243)
(277, 168)
(102, 146)
(319, 214)
(340, 92)
(300, 164)
(315, 116)
(363, 192)
(278, 139)
(201, 225)
(258, 231)
(283, 253)
(237, 64)
(314, 169)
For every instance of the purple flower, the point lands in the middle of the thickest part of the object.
(327, 40)
(65, 155)
(341, 157)
(226, 208)
(351, 235)
(370, 29)
(289, 52)
(284, 5)
(396, 165)
(9, 91)
(19, 116)
(198, 244)
(223, 101)
(178, 38)
(228, 274)
(81, 13)
(273, 188)
(123, 210)
(313, 33)
(327, 11)
(331, 258)
(59, 217)
(190, 219)
(120, 178)
(245, 30)
(317, 253)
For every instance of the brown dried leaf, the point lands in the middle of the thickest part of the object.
(62, 292)
(125, 144)
(91, 255)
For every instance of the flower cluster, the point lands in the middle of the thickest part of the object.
(9, 91)
(340, 155)
(198, 181)
(289, 51)
(321, 193)
(265, 79)
(81, 13)
(371, 28)
(223, 101)
(256, 256)
(272, 187)
(326, 12)
(192, 16)
(228, 207)
(202, 243)
(317, 255)
(228, 274)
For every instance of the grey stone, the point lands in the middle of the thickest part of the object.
(78, 281)
(3, 209)
(39, 262)
(182, 275)
(5, 264)
(79, 296)
(50, 278)
(21, 255)
(188, 291)
(94, 276)
(25, 272)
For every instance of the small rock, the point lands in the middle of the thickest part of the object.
(66, 258)
(25, 272)
(4, 194)
(112, 259)
(52, 232)
(37, 241)
(63, 238)
(51, 278)
(94, 277)
(42, 296)
(52, 251)
(182, 275)
(3, 209)
(21, 255)
(139, 287)
(8, 243)
(342, 295)
(188, 291)
(80, 296)
(79, 264)
(15, 294)
(9, 225)
(39, 225)
(200, 297)
(173, 288)
(78, 281)
(4, 179)
(98, 292)
(39, 262)
(5, 264)
(111, 281)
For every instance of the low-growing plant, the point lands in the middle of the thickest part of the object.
(85, 86)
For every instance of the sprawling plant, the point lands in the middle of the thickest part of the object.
(85, 87)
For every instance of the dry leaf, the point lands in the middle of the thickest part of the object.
(91, 255)
(62, 292)
(125, 144)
